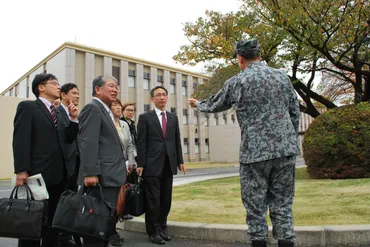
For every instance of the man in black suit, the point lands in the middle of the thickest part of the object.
(37, 147)
(69, 94)
(159, 156)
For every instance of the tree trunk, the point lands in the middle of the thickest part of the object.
(366, 96)
(358, 87)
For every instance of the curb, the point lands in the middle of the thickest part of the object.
(307, 236)
(5, 182)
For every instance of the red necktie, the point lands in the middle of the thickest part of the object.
(164, 124)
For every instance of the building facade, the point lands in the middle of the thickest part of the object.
(80, 64)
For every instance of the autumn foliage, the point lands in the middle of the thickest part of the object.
(337, 143)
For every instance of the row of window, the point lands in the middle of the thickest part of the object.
(185, 148)
(146, 81)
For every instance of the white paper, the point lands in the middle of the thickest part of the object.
(37, 186)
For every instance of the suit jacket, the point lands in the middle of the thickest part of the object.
(132, 127)
(152, 147)
(101, 150)
(267, 109)
(128, 145)
(69, 149)
(36, 144)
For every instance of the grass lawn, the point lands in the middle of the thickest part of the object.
(317, 202)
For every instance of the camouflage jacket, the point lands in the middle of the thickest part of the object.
(267, 110)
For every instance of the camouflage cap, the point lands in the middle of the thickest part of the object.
(247, 47)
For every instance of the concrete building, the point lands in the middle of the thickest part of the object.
(211, 137)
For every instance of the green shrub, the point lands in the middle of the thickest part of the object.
(337, 144)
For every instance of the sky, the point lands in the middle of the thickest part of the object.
(148, 29)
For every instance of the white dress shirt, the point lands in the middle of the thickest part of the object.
(46, 102)
(159, 115)
(106, 108)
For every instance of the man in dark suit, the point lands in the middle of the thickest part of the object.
(101, 150)
(69, 94)
(159, 156)
(37, 147)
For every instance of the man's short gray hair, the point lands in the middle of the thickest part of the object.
(100, 81)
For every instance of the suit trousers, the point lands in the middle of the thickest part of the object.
(158, 191)
(110, 195)
(50, 236)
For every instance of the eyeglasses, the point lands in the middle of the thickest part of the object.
(129, 110)
(113, 86)
(53, 82)
(160, 94)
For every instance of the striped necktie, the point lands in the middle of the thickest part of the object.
(53, 115)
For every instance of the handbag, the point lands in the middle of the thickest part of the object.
(135, 198)
(121, 199)
(81, 214)
(22, 218)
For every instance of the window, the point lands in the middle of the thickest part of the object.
(185, 116)
(185, 148)
(131, 78)
(184, 88)
(207, 146)
(206, 115)
(197, 145)
(131, 72)
(233, 118)
(116, 73)
(146, 79)
(16, 90)
(224, 116)
(173, 110)
(215, 115)
(172, 85)
(146, 107)
(146, 84)
(160, 80)
(196, 119)
(195, 84)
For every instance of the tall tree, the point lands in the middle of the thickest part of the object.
(338, 30)
(213, 39)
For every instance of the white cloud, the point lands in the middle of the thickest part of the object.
(146, 29)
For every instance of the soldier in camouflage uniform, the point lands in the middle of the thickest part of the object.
(268, 115)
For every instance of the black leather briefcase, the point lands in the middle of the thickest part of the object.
(84, 215)
(135, 198)
(22, 218)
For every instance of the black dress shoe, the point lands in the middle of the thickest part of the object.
(164, 236)
(67, 243)
(128, 217)
(116, 240)
(156, 239)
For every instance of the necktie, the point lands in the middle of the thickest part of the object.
(164, 124)
(53, 115)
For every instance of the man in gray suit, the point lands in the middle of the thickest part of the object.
(101, 150)
(268, 114)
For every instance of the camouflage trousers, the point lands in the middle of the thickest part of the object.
(269, 185)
